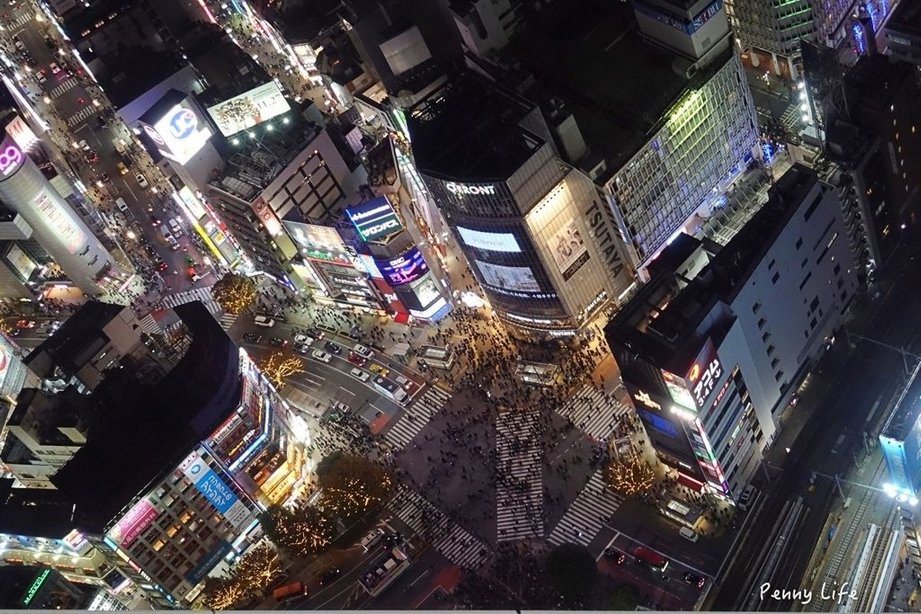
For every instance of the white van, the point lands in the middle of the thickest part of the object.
(372, 538)
(264, 321)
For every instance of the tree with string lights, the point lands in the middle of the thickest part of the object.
(351, 485)
(253, 574)
(304, 531)
(279, 366)
(234, 293)
(629, 474)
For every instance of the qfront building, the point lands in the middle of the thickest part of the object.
(535, 232)
(162, 465)
(713, 348)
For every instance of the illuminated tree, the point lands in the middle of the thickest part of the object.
(351, 484)
(301, 532)
(234, 293)
(629, 474)
(279, 366)
(253, 574)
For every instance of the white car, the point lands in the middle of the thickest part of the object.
(55, 69)
(121, 204)
(321, 355)
(142, 181)
(363, 351)
(359, 374)
(302, 340)
(748, 497)
(689, 534)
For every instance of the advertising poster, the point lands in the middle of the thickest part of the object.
(59, 221)
(513, 278)
(374, 219)
(249, 109)
(21, 262)
(133, 523)
(568, 249)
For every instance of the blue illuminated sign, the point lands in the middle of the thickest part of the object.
(687, 27)
(216, 491)
(403, 270)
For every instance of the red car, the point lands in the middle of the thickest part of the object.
(25, 324)
(92, 157)
(357, 359)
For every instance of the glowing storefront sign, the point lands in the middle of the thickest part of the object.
(374, 219)
(36, 586)
(403, 270)
(10, 159)
(59, 221)
(704, 379)
(459, 189)
(643, 397)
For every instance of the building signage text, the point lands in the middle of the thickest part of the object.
(459, 189)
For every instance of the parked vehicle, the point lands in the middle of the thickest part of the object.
(263, 321)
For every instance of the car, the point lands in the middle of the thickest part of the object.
(162, 266)
(356, 359)
(105, 178)
(694, 580)
(42, 75)
(121, 204)
(92, 157)
(302, 339)
(341, 407)
(747, 498)
(18, 43)
(689, 534)
(122, 169)
(102, 122)
(55, 69)
(315, 332)
(53, 326)
(301, 349)
(332, 347)
(321, 355)
(278, 342)
(142, 181)
(379, 369)
(362, 350)
(252, 337)
(393, 539)
(175, 225)
(25, 324)
(84, 145)
(264, 321)
(173, 243)
(329, 576)
(615, 556)
(359, 374)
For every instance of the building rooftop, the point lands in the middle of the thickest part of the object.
(906, 18)
(468, 127)
(156, 423)
(303, 21)
(617, 84)
(662, 322)
(80, 335)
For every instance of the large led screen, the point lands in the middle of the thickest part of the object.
(180, 133)
(512, 278)
(249, 109)
(489, 241)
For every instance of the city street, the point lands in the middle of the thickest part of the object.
(843, 389)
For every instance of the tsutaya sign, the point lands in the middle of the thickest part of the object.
(460, 189)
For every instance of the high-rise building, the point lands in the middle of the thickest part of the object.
(167, 460)
(770, 33)
(25, 189)
(713, 348)
(903, 32)
(535, 232)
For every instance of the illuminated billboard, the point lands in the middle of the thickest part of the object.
(216, 491)
(512, 278)
(403, 270)
(374, 219)
(567, 248)
(180, 133)
(11, 157)
(21, 262)
(317, 242)
(490, 241)
(132, 524)
(60, 220)
(249, 109)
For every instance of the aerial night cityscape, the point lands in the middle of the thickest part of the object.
(515, 305)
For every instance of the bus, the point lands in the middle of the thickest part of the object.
(389, 389)
(434, 356)
(289, 592)
(651, 559)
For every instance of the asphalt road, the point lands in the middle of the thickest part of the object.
(849, 381)
(71, 99)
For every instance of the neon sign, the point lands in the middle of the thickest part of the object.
(10, 159)
(36, 585)
(643, 397)
(473, 190)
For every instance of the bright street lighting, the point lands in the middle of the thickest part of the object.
(130, 234)
(47, 100)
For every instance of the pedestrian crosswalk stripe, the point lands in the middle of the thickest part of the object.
(593, 507)
(149, 325)
(519, 480)
(446, 536)
(81, 115)
(204, 295)
(21, 20)
(415, 417)
(594, 412)
(63, 87)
